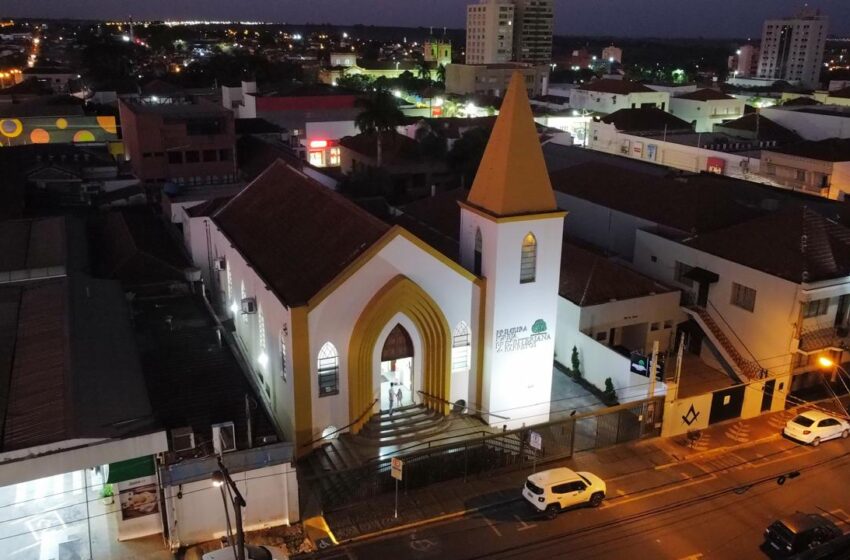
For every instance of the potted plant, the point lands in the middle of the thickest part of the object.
(108, 494)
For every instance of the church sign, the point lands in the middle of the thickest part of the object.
(521, 337)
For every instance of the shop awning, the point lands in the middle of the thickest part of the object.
(130, 469)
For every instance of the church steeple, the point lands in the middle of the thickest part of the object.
(512, 178)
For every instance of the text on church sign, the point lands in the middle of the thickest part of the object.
(521, 337)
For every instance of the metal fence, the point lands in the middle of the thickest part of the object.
(486, 453)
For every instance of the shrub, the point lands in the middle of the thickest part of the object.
(576, 363)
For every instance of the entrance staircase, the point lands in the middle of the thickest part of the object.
(743, 368)
(405, 424)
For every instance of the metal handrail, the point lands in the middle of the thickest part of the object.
(735, 334)
(344, 427)
(479, 411)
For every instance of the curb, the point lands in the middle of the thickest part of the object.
(429, 521)
(711, 452)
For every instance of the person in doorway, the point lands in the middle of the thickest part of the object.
(398, 396)
(392, 395)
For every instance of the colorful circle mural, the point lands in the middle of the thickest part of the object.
(84, 136)
(11, 128)
(107, 123)
(61, 123)
(39, 136)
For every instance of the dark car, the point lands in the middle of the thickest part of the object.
(798, 532)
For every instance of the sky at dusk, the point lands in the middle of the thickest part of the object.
(667, 18)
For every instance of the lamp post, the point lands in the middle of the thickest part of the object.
(221, 477)
(826, 362)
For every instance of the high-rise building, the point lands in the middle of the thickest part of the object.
(792, 48)
(489, 32)
(533, 27)
(745, 61)
(612, 54)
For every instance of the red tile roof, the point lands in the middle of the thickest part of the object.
(794, 243)
(395, 147)
(590, 278)
(297, 234)
(645, 120)
(767, 129)
(831, 149)
(622, 87)
(705, 94)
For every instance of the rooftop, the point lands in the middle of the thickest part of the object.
(32, 244)
(755, 122)
(794, 243)
(705, 94)
(395, 148)
(588, 277)
(645, 120)
(297, 234)
(621, 87)
(184, 109)
(843, 93)
(831, 149)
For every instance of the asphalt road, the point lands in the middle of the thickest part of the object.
(716, 508)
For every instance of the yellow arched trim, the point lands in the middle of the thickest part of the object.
(399, 295)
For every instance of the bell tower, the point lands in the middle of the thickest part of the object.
(510, 234)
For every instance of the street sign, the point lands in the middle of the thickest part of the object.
(396, 466)
(535, 440)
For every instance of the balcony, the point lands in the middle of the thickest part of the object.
(826, 338)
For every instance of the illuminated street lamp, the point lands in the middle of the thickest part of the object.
(826, 362)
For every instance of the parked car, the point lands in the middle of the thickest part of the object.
(554, 490)
(814, 426)
(251, 553)
(798, 532)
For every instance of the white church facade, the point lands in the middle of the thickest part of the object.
(330, 304)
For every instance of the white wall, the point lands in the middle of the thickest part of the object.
(811, 126)
(517, 379)
(334, 318)
(610, 102)
(606, 138)
(768, 332)
(706, 113)
(271, 494)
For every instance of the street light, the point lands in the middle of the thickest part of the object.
(827, 362)
(219, 478)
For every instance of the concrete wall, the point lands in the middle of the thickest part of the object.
(197, 515)
(785, 168)
(768, 331)
(606, 138)
(609, 102)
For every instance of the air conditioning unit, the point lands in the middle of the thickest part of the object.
(224, 437)
(220, 264)
(182, 439)
(249, 306)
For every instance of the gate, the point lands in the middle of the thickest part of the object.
(726, 404)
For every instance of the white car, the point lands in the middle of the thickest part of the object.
(558, 489)
(251, 553)
(814, 426)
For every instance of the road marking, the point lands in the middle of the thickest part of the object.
(422, 545)
(524, 524)
(490, 523)
(840, 515)
(621, 492)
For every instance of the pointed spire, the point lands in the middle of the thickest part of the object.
(512, 178)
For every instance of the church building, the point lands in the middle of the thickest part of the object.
(331, 305)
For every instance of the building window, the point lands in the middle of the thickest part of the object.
(816, 308)
(743, 297)
(328, 370)
(601, 336)
(654, 326)
(193, 156)
(229, 284)
(668, 324)
(281, 337)
(224, 155)
(209, 155)
(175, 158)
(528, 260)
(460, 347)
(478, 243)
(681, 270)
(262, 356)
(333, 157)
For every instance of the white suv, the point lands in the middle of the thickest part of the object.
(558, 489)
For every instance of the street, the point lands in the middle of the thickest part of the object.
(713, 508)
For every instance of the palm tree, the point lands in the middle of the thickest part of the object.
(380, 114)
(441, 73)
(423, 70)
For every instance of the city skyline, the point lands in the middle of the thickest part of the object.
(656, 18)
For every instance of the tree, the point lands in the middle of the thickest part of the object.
(380, 114)
(441, 73)
(576, 363)
(431, 144)
(466, 153)
(423, 70)
(610, 393)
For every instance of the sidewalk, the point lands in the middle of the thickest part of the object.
(456, 498)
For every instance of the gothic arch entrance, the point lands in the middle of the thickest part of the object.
(397, 368)
(399, 296)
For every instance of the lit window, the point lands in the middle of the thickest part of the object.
(229, 284)
(317, 158)
(333, 157)
(528, 260)
(328, 368)
(282, 342)
(816, 308)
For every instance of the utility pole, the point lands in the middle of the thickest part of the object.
(652, 369)
(223, 477)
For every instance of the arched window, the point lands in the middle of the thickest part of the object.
(328, 370)
(262, 355)
(528, 260)
(477, 264)
(460, 347)
(281, 338)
